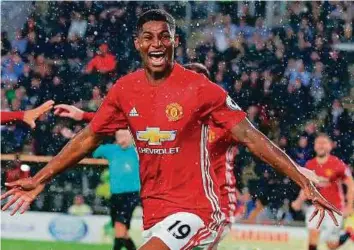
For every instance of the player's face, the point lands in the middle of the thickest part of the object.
(156, 43)
(323, 146)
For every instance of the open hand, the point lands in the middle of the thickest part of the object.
(24, 193)
(69, 111)
(30, 116)
(321, 204)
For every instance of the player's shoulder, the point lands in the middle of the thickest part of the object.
(130, 78)
(338, 162)
(310, 163)
(191, 76)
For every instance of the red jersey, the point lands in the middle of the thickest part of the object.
(104, 63)
(168, 123)
(7, 117)
(222, 156)
(335, 171)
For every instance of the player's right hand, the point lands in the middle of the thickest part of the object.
(69, 111)
(23, 197)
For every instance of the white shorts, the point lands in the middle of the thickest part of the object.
(182, 231)
(329, 232)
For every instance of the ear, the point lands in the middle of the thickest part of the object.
(176, 41)
(136, 43)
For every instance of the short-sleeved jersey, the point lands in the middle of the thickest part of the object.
(168, 124)
(123, 167)
(335, 171)
(223, 151)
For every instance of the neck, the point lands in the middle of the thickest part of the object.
(158, 77)
(322, 159)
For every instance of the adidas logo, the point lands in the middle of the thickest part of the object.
(133, 112)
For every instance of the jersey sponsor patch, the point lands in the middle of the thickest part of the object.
(231, 104)
(154, 136)
(174, 112)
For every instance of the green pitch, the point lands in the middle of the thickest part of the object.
(37, 245)
(226, 245)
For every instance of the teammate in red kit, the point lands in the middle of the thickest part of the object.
(28, 116)
(222, 149)
(167, 108)
(334, 174)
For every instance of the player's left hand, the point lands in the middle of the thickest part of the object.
(30, 116)
(321, 204)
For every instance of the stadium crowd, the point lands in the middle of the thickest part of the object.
(290, 79)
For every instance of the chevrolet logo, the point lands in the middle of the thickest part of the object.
(155, 137)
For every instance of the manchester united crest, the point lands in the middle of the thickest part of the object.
(329, 172)
(174, 112)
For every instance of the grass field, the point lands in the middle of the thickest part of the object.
(226, 245)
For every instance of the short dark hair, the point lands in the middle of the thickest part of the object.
(199, 68)
(156, 15)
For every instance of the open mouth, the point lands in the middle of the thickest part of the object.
(157, 57)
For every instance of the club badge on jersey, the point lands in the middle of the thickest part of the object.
(231, 104)
(174, 112)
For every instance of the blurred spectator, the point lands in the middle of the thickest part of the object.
(284, 144)
(104, 62)
(302, 153)
(310, 133)
(338, 117)
(224, 31)
(17, 171)
(318, 83)
(300, 74)
(12, 67)
(20, 43)
(5, 43)
(78, 26)
(79, 208)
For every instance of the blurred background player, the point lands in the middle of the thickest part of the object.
(28, 116)
(123, 174)
(124, 184)
(334, 173)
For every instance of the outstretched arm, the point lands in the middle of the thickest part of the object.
(28, 116)
(267, 151)
(76, 149)
(70, 111)
(8, 116)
